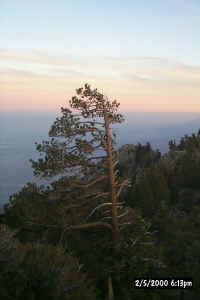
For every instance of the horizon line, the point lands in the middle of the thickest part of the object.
(123, 111)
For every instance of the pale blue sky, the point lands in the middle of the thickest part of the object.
(147, 52)
(169, 28)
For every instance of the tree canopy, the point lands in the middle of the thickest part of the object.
(108, 215)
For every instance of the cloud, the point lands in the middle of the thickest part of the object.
(34, 57)
(160, 71)
(68, 64)
(151, 80)
(141, 69)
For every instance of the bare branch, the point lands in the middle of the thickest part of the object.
(90, 122)
(104, 142)
(97, 157)
(116, 172)
(126, 223)
(90, 226)
(106, 218)
(98, 207)
(124, 214)
(91, 183)
(98, 195)
(125, 183)
(115, 163)
(74, 227)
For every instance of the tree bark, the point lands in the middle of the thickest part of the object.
(116, 236)
(90, 226)
(110, 289)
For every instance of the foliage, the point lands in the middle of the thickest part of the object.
(156, 221)
(133, 158)
(38, 271)
(83, 209)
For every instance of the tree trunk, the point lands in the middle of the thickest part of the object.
(110, 289)
(116, 236)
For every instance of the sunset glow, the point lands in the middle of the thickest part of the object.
(134, 53)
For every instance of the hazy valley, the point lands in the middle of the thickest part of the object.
(19, 132)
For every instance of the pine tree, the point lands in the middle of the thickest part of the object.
(82, 149)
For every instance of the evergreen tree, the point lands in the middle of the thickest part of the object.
(40, 271)
(84, 209)
(82, 148)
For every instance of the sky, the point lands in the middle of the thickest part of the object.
(145, 54)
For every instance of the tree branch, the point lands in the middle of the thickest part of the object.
(98, 207)
(90, 226)
(89, 184)
(86, 226)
